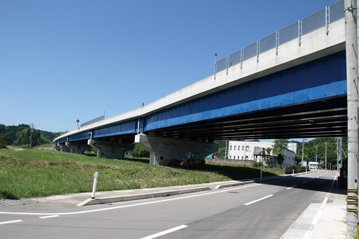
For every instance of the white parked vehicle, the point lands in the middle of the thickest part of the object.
(313, 166)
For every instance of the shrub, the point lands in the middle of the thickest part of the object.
(257, 164)
(2, 143)
(140, 151)
(289, 170)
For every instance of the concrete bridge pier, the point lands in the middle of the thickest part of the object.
(63, 148)
(77, 148)
(56, 146)
(110, 150)
(163, 150)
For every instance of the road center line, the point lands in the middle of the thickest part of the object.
(259, 199)
(165, 232)
(10, 222)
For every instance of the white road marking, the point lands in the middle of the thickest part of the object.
(259, 199)
(315, 221)
(165, 232)
(129, 205)
(46, 217)
(289, 188)
(316, 218)
(10, 222)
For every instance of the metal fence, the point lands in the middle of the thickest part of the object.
(294, 31)
(268, 43)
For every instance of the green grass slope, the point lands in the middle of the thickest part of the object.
(38, 173)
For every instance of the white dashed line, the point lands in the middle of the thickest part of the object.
(259, 199)
(165, 232)
(10, 222)
(46, 217)
(289, 188)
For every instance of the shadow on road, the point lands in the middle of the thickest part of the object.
(309, 181)
(235, 172)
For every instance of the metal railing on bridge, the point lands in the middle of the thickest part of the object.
(322, 18)
(102, 117)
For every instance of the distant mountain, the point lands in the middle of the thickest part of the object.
(23, 134)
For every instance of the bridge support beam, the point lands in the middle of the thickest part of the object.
(76, 148)
(109, 149)
(166, 149)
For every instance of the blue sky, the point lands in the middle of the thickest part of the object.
(68, 59)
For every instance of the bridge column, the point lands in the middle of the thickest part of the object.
(76, 148)
(64, 148)
(109, 149)
(56, 146)
(166, 149)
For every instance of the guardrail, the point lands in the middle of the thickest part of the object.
(322, 18)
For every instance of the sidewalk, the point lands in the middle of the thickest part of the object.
(326, 220)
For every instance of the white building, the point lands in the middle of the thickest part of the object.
(246, 150)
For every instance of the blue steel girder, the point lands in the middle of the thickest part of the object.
(119, 129)
(79, 137)
(312, 81)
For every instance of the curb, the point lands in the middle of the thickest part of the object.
(96, 201)
(234, 184)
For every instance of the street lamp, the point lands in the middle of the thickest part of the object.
(78, 126)
(215, 65)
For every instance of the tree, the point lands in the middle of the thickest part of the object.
(280, 159)
(20, 135)
(221, 152)
(279, 146)
(298, 159)
(2, 142)
(140, 151)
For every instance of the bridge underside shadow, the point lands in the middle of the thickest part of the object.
(323, 118)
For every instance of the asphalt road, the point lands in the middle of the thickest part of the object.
(248, 211)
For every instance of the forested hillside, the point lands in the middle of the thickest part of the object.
(24, 134)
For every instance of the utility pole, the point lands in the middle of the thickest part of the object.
(31, 132)
(352, 105)
(325, 156)
(302, 152)
(339, 152)
(226, 150)
(303, 140)
(316, 153)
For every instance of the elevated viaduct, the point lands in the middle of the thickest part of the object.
(291, 83)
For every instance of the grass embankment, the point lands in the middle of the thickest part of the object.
(37, 173)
